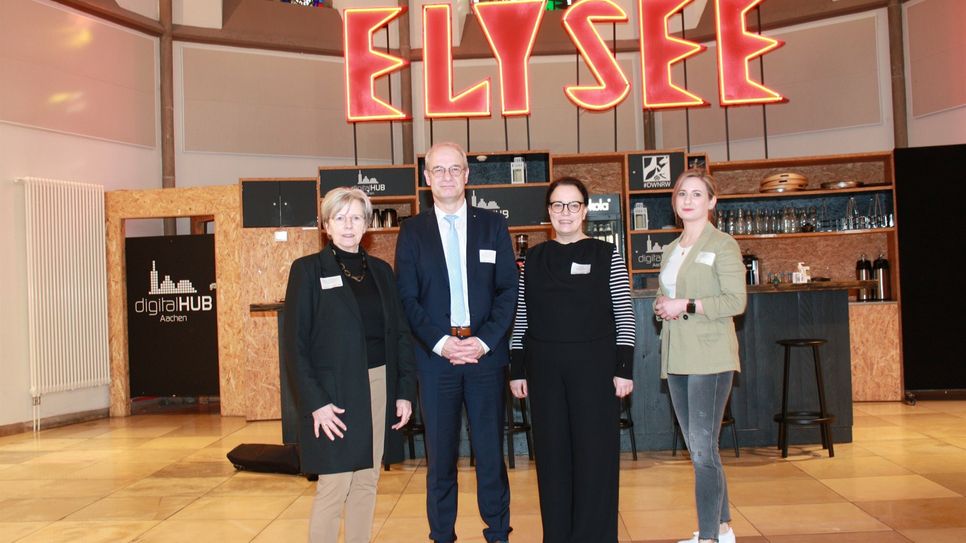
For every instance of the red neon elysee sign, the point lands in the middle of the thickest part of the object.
(511, 28)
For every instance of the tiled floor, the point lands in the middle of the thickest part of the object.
(165, 478)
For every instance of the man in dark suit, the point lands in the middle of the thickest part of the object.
(458, 284)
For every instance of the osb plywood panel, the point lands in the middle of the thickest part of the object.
(264, 265)
(600, 178)
(222, 202)
(875, 348)
(832, 256)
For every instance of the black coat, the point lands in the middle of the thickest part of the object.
(325, 347)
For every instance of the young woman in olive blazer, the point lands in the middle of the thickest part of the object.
(702, 288)
(705, 342)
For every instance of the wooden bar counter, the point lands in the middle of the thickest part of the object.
(774, 312)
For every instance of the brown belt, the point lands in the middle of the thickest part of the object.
(460, 331)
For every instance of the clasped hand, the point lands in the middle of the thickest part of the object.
(462, 351)
(669, 309)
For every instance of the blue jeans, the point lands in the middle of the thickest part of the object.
(699, 403)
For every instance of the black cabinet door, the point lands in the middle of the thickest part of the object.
(260, 204)
(928, 202)
(297, 203)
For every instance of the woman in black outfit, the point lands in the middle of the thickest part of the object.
(351, 365)
(571, 352)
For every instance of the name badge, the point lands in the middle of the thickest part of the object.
(331, 282)
(579, 269)
(488, 256)
(705, 258)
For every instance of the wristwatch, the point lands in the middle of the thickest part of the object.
(690, 309)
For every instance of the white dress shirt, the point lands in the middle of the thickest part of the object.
(443, 225)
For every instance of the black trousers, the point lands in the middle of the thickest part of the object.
(576, 439)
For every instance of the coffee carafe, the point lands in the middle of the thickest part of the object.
(880, 271)
(752, 273)
(390, 218)
(863, 272)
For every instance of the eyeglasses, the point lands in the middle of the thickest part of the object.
(454, 171)
(558, 207)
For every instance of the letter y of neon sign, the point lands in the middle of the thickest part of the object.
(363, 64)
(511, 28)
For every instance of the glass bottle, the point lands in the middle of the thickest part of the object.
(522, 244)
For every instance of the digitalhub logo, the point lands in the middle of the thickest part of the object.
(176, 308)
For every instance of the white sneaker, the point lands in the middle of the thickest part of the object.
(727, 537)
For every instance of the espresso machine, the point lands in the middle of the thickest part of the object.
(604, 219)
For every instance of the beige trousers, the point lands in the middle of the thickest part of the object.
(354, 491)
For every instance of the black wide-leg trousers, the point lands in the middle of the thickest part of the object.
(576, 438)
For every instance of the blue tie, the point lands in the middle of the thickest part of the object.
(453, 263)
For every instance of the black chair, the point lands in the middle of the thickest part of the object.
(413, 428)
(822, 418)
(626, 422)
(726, 420)
(514, 427)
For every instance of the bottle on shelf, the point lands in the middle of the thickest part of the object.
(640, 216)
(522, 244)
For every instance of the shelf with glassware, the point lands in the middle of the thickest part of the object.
(821, 227)
(392, 191)
(842, 207)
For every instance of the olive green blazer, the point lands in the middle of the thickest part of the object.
(713, 273)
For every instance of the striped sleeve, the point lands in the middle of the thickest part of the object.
(519, 330)
(620, 294)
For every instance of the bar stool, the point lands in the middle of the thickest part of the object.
(822, 418)
(626, 422)
(514, 427)
(726, 420)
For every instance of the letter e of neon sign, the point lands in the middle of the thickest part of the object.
(737, 46)
(363, 64)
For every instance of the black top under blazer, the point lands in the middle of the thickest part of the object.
(325, 347)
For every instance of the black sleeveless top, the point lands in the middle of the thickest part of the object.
(567, 294)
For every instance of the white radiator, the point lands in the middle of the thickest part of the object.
(67, 287)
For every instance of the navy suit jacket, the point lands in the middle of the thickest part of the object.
(424, 283)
